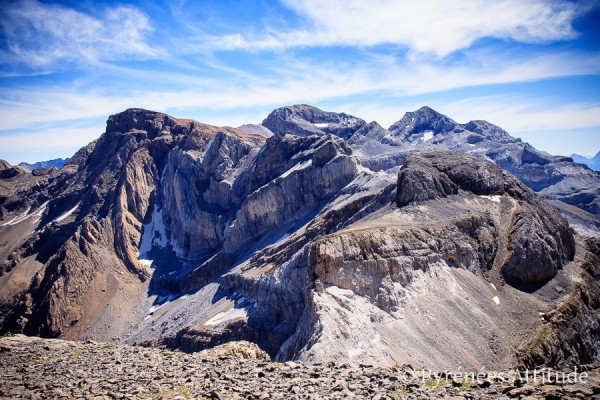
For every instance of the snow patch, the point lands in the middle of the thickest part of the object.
(496, 300)
(495, 198)
(494, 286)
(67, 214)
(20, 218)
(281, 239)
(320, 126)
(297, 167)
(161, 302)
(40, 211)
(427, 135)
(233, 313)
(154, 234)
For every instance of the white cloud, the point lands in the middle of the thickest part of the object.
(42, 35)
(438, 27)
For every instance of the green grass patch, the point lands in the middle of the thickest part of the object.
(434, 384)
(465, 385)
(540, 337)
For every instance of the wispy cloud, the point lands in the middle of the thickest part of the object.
(438, 27)
(517, 114)
(43, 35)
(284, 82)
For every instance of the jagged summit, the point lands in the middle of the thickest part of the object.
(422, 120)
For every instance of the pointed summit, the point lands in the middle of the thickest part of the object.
(422, 120)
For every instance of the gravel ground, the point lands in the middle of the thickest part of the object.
(34, 368)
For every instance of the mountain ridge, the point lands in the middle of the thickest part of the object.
(592, 162)
(171, 232)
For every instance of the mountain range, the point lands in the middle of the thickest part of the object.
(56, 163)
(317, 235)
(593, 163)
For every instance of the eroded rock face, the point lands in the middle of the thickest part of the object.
(314, 176)
(571, 332)
(197, 194)
(74, 265)
(380, 263)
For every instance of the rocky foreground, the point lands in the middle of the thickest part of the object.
(34, 368)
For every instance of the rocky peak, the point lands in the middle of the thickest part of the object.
(541, 241)
(488, 130)
(438, 173)
(136, 119)
(305, 120)
(150, 122)
(4, 164)
(424, 119)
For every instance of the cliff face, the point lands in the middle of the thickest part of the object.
(169, 231)
(570, 334)
(74, 267)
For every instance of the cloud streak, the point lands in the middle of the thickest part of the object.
(516, 114)
(43, 35)
(288, 81)
(436, 27)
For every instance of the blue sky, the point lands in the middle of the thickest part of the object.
(531, 67)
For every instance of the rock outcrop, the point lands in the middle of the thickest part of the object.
(571, 332)
(540, 240)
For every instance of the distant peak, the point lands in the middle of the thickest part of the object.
(485, 128)
(423, 119)
(427, 109)
(307, 120)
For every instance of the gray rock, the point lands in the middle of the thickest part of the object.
(305, 120)
(540, 242)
